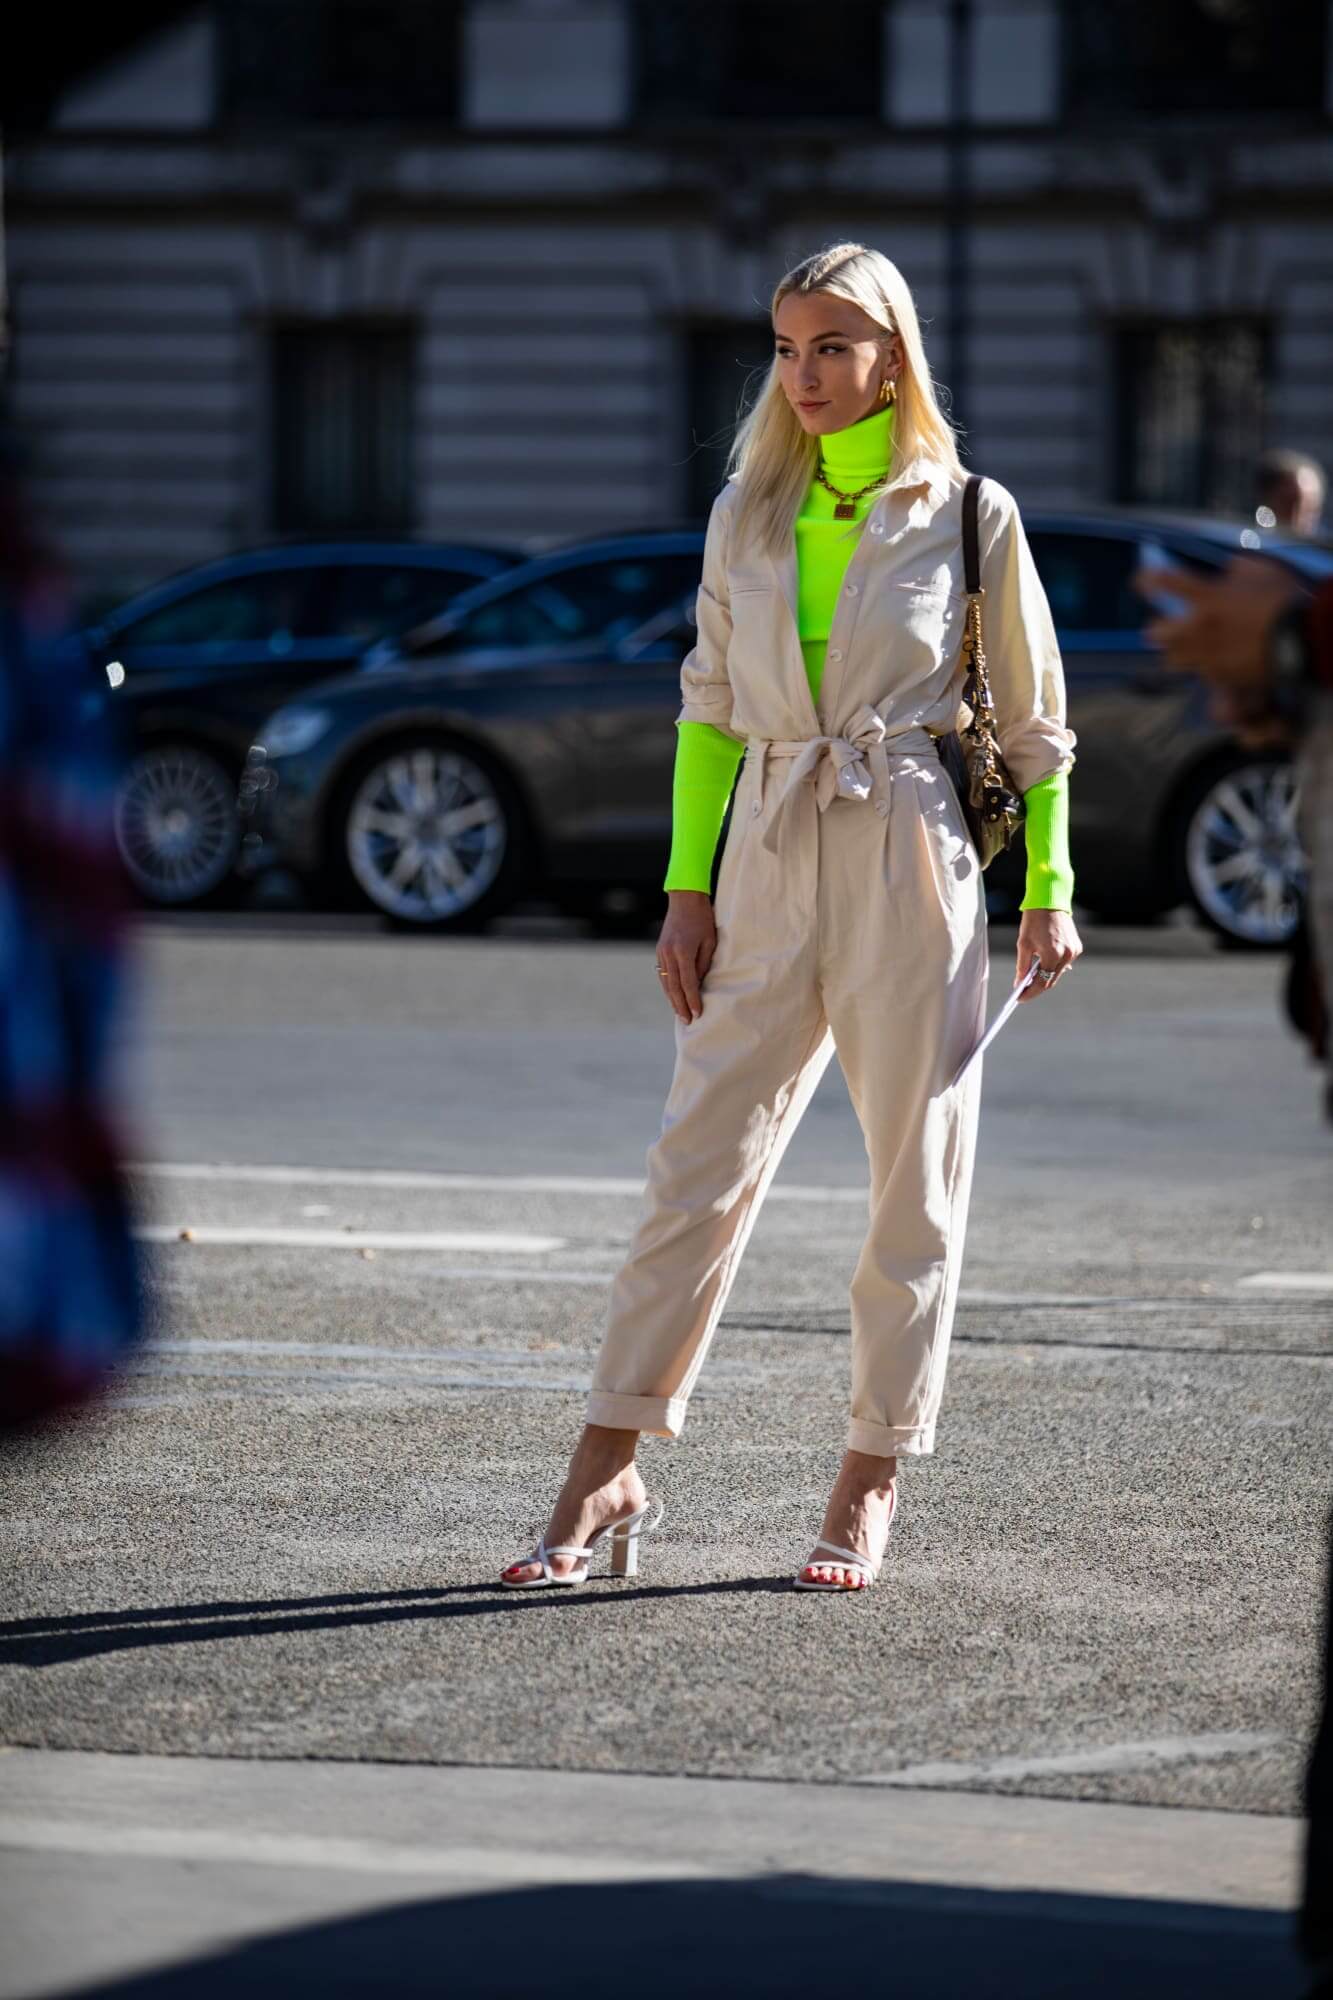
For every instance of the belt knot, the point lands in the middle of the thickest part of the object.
(844, 766)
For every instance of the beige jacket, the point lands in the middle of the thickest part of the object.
(895, 640)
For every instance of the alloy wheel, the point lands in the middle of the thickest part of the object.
(1244, 862)
(426, 833)
(176, 823)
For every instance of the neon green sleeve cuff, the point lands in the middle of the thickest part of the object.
(1050, 878)
(705, 771)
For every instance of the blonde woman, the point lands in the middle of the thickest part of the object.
(849, 909)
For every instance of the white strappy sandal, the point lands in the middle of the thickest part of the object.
(846, 1559)
(624, 1551)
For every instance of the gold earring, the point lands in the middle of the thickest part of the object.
(886, 390)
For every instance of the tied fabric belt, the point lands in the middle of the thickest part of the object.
(849, 766)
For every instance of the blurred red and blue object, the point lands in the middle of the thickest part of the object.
(71, 1286)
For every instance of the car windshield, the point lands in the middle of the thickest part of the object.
(600, 601)
(245, 610)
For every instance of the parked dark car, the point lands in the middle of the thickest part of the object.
(467, 722)
(527, 745)
(1165, 807)
(199, 660)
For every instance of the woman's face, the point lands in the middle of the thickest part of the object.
(832, 358)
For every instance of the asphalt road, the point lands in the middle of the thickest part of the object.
(276, 1538)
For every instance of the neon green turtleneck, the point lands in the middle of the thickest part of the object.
(707, 758)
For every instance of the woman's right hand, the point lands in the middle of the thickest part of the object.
(685, 947)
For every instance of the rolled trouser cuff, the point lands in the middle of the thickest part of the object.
(890, 1440)
(660, 1416)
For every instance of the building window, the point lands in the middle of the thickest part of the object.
(1194, 55)
(341, 61)
(757, 59)
(725, 369)
(341, 428)
(1189, 413)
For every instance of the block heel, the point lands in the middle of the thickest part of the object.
(624, 1545)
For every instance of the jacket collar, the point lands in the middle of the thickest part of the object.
(923, 471)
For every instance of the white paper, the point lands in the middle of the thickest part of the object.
(999, 1020)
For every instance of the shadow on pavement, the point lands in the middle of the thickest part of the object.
(780, 1935)
(54, 1641)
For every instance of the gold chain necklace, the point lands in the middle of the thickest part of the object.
(846, 507)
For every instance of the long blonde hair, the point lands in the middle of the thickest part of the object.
(774, 456)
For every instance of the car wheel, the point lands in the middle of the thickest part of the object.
(176, 824)
(1239, 853)
(432, 836)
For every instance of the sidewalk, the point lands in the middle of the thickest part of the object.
(167, 1876)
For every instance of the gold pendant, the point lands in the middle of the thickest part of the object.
(845, 510)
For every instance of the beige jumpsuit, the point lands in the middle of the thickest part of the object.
(850, 914)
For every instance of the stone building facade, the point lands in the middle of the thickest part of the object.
(501, 269)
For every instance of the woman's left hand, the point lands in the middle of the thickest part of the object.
(1051, 936)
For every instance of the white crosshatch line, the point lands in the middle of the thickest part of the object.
(1288, 1281)
(1315, 1283)
(350, 1239)
(1109, 1757)
(445, 1183)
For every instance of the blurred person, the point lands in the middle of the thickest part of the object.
(850, 908)
(71, 1296)
(1289, 492)
(1263, 640)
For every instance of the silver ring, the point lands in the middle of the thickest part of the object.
(1044, 976)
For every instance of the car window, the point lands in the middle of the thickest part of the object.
(1087, 577)
(681, 633)
(604, 600)
(669, 632)
(378, 600)
(534, 616)
(614, 598)
(265, 607)
(1086, 580)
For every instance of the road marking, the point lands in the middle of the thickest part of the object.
(352, 1239)
(285, 1850)
(280, 1381)
(528, 1370)
(1068, 1301)
(516, 1274)
(396, 1177)
(347, 1350)
(1114, 1757)
(1288, 1281)
(506, 1274)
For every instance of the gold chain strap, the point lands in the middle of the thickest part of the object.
(990, 788)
